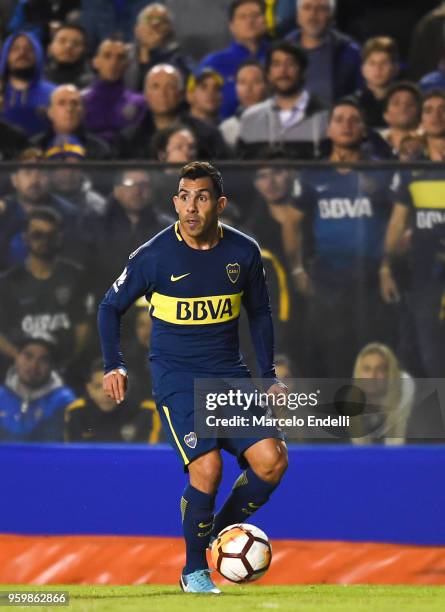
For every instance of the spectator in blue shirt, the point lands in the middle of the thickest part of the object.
(334, 62)
(248, 26)
(25, 93)
(34, 397)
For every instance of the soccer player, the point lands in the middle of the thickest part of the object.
(195, 274)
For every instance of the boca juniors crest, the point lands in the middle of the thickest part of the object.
(233, 270)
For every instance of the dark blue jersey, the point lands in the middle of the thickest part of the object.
(423, 192)
(349, 213)
(195, 298)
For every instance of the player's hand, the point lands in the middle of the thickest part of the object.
(388, 287)
(115, 384)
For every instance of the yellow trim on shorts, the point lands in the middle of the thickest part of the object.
(181, 450)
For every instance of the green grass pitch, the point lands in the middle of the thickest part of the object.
(313, 598)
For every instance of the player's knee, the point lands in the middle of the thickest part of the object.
(205, 472)
(272, 465)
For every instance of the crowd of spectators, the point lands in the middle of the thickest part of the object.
(353, 257)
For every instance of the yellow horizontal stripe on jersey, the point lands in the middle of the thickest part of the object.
(197, 310)
(428, 194)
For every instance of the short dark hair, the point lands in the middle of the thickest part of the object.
(299, 54)
(407, 86)
(381, 44)
(250, 62)
(347, 101)
(70, 26)
(433, 93)
(235, 4)
(46, 341)
(160, 139)
(45, 213)
(201, 169)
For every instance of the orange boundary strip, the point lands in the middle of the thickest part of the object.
(156, 560)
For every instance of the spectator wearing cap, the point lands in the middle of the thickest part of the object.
(402, 110)
(97, 418)
(109, 106)
(165, 97)
(33, 397)
(333, 57)
(380, 66)
(204, 96)
(45, 296)
(67, 53)
(26, 94)
(248, 27)
(66, 113)
(292, 121)
(251, 88)
(155, 43)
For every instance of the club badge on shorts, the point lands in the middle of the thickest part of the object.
(191, 439)
(233, 270)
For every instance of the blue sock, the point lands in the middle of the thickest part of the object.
(248, 494)
(197, 510)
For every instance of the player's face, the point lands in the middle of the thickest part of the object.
(33, 365)
(379, 69)
(96, 393)
(274, 184)
(68, 46)
(314, 17)
(163, 91)
(403, 111)
(346, 127)
(373, 370)
(66, 109)
(284, 73)
(433, 117)
(31, 184)
(181, 147)
(248, 22)
(197, 206)
(111, 60)
(251, 86)
(21, 54)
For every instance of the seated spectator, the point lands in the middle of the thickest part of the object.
(33, 398)
(130, 219)
(13, 141)
(31, 190)
(248, 27)
(155, 43)
(204, 96)
(292, 121)
(412, 148)
(67, 53)
(97, 418)
(26, 94)
(46, 296)
(175, 145)
(164, 94)
(380, 66)
(434, 79)
(39, 16)
(66, 113)
(433, 124)
(427, 43)
(71, 183)
(402, 108)
(109, 106)
(333, 58)
(389, 394)
(251, 88)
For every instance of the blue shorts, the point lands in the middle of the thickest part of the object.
(178, 420)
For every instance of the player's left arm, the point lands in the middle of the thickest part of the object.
(257, 304)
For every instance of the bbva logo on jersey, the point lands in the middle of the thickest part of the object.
(233, 270)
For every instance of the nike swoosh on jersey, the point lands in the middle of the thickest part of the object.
(204, 525)
(177, 278)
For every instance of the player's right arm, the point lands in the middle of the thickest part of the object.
(136, 280)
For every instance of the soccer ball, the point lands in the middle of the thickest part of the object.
(241, 553)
